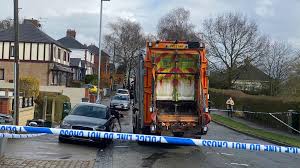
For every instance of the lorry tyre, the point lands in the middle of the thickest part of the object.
(178, 134)
(133, 129)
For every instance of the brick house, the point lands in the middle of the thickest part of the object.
(40, 55)
(105, 65)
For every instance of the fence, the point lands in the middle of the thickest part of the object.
(24, 102)
(284, 121)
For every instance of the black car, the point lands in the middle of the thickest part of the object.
(88, 116)
(4, 118)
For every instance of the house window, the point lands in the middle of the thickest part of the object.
(54, 52)
(1, 74)
(12, 51)
(65, 56)
(59, 53)
(68, 57)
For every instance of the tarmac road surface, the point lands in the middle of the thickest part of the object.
(45, 151)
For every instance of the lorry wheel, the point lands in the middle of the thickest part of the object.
(197, 136)
(178, 134)
(145, 131)
(133, 130)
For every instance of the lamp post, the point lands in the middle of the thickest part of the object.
(99, 66)
(16, 64)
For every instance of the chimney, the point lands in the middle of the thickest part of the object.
(71, 33)
(35, 22)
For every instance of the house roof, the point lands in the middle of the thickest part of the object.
(95, 50)
(250, 72)
(28, 33)
(71, 42)
(75, 62)
(59, 67)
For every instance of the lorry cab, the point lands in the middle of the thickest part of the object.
(172, 89)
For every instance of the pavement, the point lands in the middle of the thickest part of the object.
(45, 151)
(258, 126)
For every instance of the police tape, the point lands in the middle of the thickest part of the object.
(152, 138)
(252, 112)
(20, 136)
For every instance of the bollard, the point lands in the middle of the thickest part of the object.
(3, 142)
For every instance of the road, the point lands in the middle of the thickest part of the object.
(129, 154)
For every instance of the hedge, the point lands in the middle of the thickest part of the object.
(244, 101)
(256, 103)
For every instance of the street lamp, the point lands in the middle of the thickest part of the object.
(99, 66)
(16, 63)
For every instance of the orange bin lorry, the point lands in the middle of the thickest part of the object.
(171, 90)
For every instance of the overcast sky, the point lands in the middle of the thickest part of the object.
(277, 18)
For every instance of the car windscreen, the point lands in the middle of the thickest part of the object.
(119, 97)
(90, 111)
(123, 91)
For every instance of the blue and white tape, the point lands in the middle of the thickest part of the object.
(19, 136)
(152, 138)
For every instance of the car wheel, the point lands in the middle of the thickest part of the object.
(102, 144)
(62, 139)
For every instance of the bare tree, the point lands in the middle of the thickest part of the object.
(176, 25)
(277, 64)
(125, 41)
(292, 84)
(231, 40)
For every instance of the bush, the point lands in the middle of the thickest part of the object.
(59, 100)
(76, 84)
(30, 86)
(91, 79)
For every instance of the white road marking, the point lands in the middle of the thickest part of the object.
(121, 146)
(238, 164)
(227, 154)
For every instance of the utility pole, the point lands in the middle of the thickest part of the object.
(16, 64)
(99, 66)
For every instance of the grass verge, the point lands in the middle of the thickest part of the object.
(265, 135)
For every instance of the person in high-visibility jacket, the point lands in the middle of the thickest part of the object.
(229, 105)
